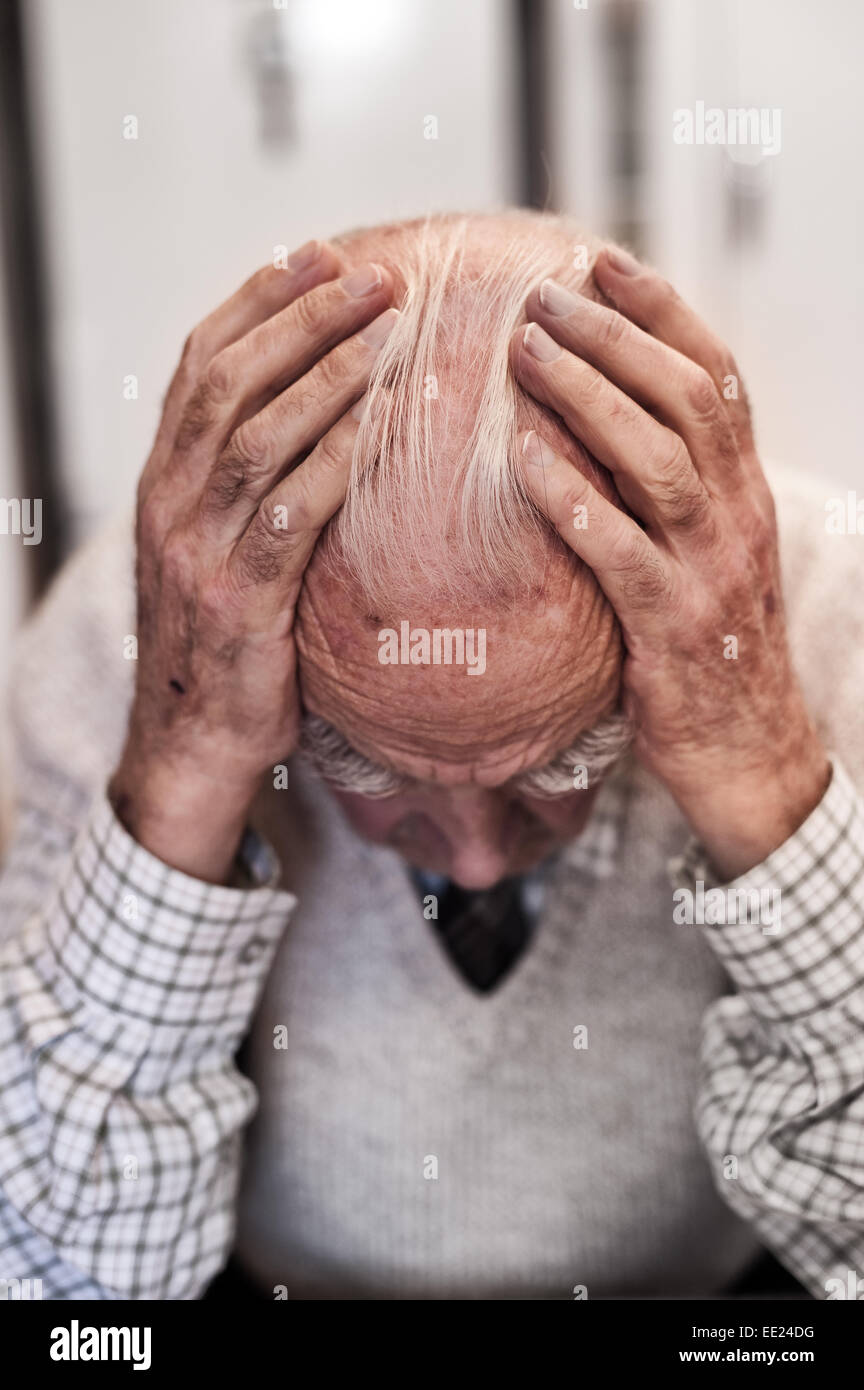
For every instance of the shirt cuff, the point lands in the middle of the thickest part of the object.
(139, 940)
(789, 932)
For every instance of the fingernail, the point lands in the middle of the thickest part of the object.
(532, 450)
(363, 280)
(557, 300)
(307, 253)
(378, 331)
(622, 261)
(539, 344)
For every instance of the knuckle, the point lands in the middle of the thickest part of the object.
(251, 444)
(626, 552)
(669, 466)
(196, 420)
(271, 518)
(264, 553)
(237, 468)
(153, 519)
(176, 561)
(701, 394)
(594, 390)
(228, 482)
(677, 489)
(296, 514)
(666, 292)
(699, 513)
(611, 329)
(574, 495)
(297, 401)
(193, 354)
(267, 282)
(727, 447)
(219, 377)
(310, 313)
(691, 508)
(739, 579)
(699, 635)
(328, 457)
(643, 577)
(331, 373)
(216, 602)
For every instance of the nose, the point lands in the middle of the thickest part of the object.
(476, 835)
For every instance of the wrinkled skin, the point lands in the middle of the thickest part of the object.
(252, 459)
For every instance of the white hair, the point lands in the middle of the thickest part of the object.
(436, 487)
(343, 768)
(597, 750)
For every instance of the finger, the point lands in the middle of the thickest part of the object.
(630, 569)
(272, 356)
(265, 445)
(650, 301)
(653, 470)
(681, 393)
(278, 542)
(264, 294)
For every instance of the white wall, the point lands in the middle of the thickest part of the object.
(791, 299)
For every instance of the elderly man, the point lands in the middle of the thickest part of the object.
(465, 781)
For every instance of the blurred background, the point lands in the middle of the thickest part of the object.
(154, 152)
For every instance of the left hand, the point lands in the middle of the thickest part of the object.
(644, 387)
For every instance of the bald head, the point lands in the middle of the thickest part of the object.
(438, 533)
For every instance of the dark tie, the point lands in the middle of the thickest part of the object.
(483, 931)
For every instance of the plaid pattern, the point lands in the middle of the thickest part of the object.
(781, 1105)
(121, 1109)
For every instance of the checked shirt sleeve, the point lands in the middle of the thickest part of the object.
(121, 1107)
(781, 1106)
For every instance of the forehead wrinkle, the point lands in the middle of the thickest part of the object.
(415, 713)
(416, 701)
(399, 734)
(472, 775)
(320, 632)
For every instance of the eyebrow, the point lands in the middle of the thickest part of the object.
(342, 767)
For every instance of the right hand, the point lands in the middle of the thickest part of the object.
(228, 517)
